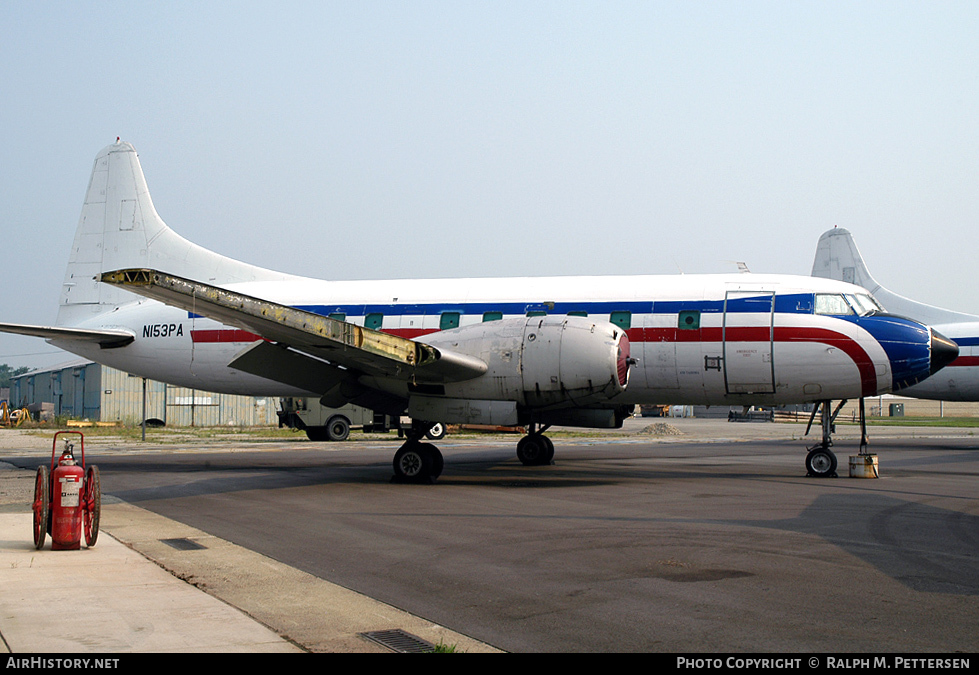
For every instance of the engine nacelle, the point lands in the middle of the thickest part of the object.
(540, 362)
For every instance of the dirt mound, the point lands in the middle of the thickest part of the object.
(661, 429)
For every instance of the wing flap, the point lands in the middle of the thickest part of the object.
(335, 386)
(275, 362)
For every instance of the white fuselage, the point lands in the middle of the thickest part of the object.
(747, 339)
(959, 380)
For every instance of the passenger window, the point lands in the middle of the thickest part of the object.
(578, 312)
(536, 312)
(832, 304)
(621, 319)
(339, 316)
(492, 316)
(449, 320)
(374, 321)
(689, 320)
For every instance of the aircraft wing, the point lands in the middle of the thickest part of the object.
(106, 338)
(341, 344)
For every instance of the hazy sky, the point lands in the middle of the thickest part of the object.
(353, 140)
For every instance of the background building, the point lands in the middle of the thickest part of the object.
(87, 390)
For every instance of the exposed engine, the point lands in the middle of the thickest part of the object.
(534, 363)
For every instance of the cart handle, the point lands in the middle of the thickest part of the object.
(54, 446)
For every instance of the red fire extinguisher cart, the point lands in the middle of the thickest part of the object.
(67, 498)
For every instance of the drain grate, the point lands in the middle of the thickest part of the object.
(183, 544)
(399, 641)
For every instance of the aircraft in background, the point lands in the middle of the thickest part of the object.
(533, 352)
(837, 257)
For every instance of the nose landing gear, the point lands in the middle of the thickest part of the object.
(821, 461)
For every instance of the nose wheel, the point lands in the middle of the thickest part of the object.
(821, 462)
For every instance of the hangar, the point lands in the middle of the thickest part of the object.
(84, 390)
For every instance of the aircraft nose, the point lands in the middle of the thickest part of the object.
(943, 351)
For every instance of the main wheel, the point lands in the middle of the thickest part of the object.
(532, 450)
(414, 463)
(41, 506)
(92, 506)
(438, 462)
(821, 463)
(548, 450)
(337, 428)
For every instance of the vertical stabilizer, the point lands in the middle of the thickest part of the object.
(837, 257)
(118, 228)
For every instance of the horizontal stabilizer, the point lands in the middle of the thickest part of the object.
(105, 338)
(345, 344)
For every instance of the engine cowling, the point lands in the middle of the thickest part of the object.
(541, 362)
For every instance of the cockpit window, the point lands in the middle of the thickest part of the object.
(832, 304)
(864, 304)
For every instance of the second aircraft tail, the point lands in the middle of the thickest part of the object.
(837, 257)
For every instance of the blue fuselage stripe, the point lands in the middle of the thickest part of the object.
(784, 304)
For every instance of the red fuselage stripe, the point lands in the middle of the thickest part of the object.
(787, 334)
(964, 361)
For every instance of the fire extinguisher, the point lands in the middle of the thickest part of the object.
(66, 503)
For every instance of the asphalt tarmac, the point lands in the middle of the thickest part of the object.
(668, 536)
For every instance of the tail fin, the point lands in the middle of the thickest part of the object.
(119, 227)
(837, 257)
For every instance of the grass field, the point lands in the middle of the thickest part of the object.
(921, 421)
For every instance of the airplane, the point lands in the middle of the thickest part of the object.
(837, 257)
(528, 352)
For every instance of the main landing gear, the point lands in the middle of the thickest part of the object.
(417, 462)
(821, 461)
(535, 449)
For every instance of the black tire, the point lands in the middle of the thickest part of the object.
(532, 451)
(548, 449)
(337, 428)
(821, 463)
(436, 432)
(93, 506)
(41, 506)
(414, 463)
(438, 462)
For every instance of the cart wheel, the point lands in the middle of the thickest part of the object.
(93, 506)
(42, 505)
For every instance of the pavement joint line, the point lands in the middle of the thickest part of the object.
(252, 601)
